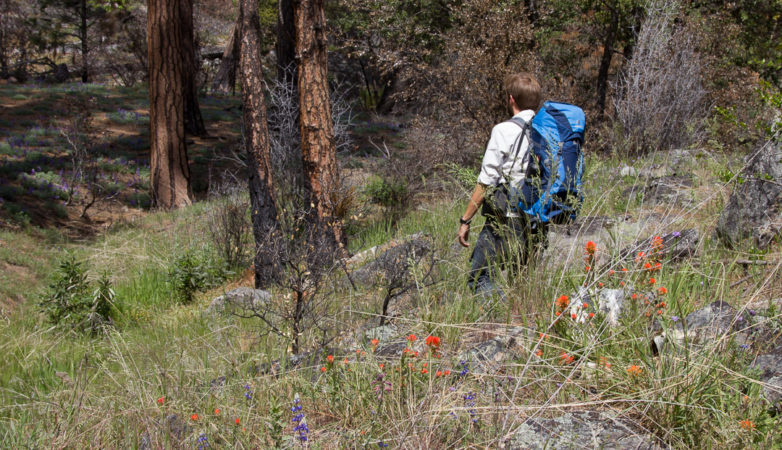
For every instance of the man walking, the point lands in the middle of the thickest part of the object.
(505, 161)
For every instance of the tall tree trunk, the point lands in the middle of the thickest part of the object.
(170, 173)
(286, 43)
(84, 45)
(3, 50)
(225, 80)
(194, 123)
(319, 152)
(256, 141)
(605, 61)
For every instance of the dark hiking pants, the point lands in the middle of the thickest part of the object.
(504, 243)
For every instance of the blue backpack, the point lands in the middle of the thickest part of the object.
(557, 134)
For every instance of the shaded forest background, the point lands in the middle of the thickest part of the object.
(443, 58)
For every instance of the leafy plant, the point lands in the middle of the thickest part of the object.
(70, 302)
(194, 272)
(386, 192)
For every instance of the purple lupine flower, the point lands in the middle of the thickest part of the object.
(202, 442)
(300, 421)
(469, 401)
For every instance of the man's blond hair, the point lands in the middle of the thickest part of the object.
(524, 89)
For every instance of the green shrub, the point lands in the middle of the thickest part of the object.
(388, 193)
(71, 302)
(194, 272)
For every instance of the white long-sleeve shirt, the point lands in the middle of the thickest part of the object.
(499, 154)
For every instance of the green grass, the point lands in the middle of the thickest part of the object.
(104, 391)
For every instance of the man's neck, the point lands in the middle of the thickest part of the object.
(516, 110)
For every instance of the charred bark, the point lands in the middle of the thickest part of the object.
(605, 61)
(286, 43)
(317, 129)
(257, 145)
(194, 122)
(225, 80)
(85, 75)
(170, 173)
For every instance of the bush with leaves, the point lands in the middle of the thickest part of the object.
(71, 301)
(193, 272)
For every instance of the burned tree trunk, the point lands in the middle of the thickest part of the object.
(225, 80)
(286, 43)
(605, 61)
(319, 155)
(264, 211)
(85, 75)
(194, 123)
(170, 173)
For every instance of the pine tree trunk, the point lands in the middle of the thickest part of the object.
(170, 173)
(605, 61)
(194, 123)
(264, 211)
(286, 43)
(319, 155)
(225, 80)
(85, 76)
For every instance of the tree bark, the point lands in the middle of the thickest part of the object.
(170, 173)
(319, 155)
(286, 43)
(605, 61)
(194, 123)
(85, 76)
(264, 210)
(225, 80)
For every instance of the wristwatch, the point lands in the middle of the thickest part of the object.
(464, 222)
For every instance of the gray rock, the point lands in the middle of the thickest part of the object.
(670, 190)
(391, 350)
(582, 429)
(710, 324)
(762, 306)
(609, 302)
(655, 171)
(488, 356)
(383, 333)
(239, 299)
(628, 171)
(770, 365)
(566, 242)
(676, 246)
(754, 209)
(392, 266)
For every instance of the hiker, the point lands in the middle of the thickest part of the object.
(505, 161)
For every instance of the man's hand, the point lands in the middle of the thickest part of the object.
(464, 235)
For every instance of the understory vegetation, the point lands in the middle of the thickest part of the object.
(169, 372)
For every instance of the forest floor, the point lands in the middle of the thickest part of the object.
(174, 374)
